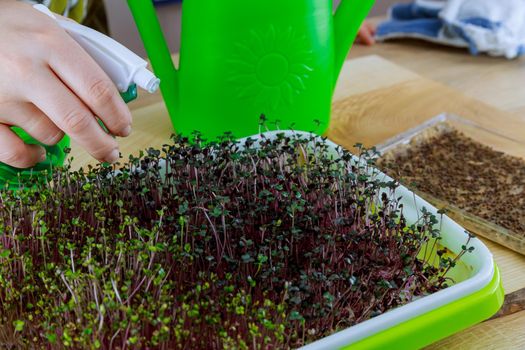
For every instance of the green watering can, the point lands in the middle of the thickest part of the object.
(241, 59)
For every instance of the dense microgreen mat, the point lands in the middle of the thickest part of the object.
(263, 244)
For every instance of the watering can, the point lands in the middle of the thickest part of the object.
(241, 59)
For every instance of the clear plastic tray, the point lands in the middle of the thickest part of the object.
(488, 137)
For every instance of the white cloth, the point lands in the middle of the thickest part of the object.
(495, 27)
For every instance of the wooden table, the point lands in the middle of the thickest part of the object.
(377, 99)
(495, 81)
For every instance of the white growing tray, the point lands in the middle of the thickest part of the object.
(479, 263)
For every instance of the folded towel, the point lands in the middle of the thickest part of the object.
(495, 27)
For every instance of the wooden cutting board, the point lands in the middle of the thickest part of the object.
(375, 100)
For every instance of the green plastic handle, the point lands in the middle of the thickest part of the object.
(55, 155)
(159, 54)
(14, 178)
(345, 30)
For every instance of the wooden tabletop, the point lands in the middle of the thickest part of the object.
(390, 88)
(496, 81)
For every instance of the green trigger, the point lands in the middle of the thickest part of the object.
(130, 94)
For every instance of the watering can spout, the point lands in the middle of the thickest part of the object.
(347, 20)
(158, 52)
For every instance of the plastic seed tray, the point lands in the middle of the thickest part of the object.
(509, 238)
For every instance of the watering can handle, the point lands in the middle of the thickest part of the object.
(158, 51)
(347, 20)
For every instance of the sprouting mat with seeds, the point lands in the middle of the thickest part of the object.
(446, 164)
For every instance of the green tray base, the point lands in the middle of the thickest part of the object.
(440, 323)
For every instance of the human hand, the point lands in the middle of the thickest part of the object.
(50, 86)
(366, 34)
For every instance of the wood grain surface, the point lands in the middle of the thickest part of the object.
(514, 303)
(495, 81)
(375, 100)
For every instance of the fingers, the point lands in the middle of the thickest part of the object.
(367, 33)
(90, 83)
(14, 152)
(33, 121)
(372, 27)
(72, 116)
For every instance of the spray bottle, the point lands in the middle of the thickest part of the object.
(126, 69)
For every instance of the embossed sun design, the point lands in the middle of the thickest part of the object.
(270, 67)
